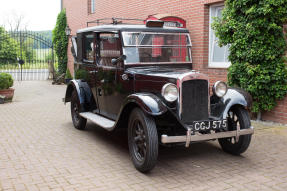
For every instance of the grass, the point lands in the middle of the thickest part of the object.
(35, 65)
(41, 61)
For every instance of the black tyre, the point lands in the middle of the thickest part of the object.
(143, 140)
(237, 116)
(78, 121)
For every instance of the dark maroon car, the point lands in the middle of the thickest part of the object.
(140, 77)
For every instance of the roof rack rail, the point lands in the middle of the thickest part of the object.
(113, 20)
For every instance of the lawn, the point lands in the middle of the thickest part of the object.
(30, 65)
(40, 61)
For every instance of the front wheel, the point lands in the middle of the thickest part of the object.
(236, 116)
(143, 140)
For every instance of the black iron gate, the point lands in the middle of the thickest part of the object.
(27, 55)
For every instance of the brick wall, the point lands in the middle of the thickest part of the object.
(195, 12)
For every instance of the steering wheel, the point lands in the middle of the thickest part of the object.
(148, 55)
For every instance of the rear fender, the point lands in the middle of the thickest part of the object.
(84, 93)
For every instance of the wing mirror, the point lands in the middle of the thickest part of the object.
(116, 60)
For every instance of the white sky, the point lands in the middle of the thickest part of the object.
(38, 14)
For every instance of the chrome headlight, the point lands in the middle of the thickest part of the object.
(219, 88)
(169, 92)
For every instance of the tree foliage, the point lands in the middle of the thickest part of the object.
(8, 48)
(60, 41)
(254, 31)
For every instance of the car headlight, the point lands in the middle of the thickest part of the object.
(219, 88)
(169, 92)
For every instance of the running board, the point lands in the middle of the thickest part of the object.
(99, 120)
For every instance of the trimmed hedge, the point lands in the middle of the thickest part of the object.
(6, 81)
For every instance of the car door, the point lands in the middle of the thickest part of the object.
(111, 88)
(86, 47)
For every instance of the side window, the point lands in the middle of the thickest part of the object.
(109, 48)
(218, 56)
(89, 47)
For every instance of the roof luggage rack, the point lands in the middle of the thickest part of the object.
(114, 21)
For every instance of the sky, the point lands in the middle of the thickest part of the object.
(37, 14)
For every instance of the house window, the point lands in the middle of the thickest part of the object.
(91, 6)
(218, 56)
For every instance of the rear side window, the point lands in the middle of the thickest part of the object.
(89, 47)
(109, 48)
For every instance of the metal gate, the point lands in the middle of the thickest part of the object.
(26, 55)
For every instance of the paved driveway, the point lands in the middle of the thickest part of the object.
(40, 150)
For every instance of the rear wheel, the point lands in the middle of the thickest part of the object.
(236, 116)
(78, 121)
(143, 140)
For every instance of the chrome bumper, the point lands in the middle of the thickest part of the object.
(205, 137)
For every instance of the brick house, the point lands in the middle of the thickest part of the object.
(207, 57)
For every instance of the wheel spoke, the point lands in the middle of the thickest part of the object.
(137, 138)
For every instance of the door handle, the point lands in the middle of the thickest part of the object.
(93, 72)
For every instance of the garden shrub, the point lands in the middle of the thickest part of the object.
(68, 74)
(60, 41)
(254, 31)
(6, 81)
(81, 74)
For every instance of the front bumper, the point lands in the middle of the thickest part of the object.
(205, 137)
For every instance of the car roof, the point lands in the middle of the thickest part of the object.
(132, 28)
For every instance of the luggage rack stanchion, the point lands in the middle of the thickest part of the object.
(114, 21)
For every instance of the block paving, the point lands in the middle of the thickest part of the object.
(41, 150)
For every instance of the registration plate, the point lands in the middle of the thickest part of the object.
(209, 125)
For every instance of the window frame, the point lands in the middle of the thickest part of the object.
(91, 6)
(98, 49)
(212, 64)
(189, 46)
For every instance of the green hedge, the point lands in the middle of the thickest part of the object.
(8, 48)
(81, 74)
(60, 41)
(254, 31)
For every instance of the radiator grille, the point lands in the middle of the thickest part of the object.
(194, 100)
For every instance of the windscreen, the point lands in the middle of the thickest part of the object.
(143, 47)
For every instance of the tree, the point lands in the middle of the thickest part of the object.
(254, 31)
(16, 22)
(8, 48)
(60, 41)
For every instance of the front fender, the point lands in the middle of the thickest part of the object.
(149, 103)
(234, 96)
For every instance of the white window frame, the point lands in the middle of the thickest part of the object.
(212, 40)
(92, 8)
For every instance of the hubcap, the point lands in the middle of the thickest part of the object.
(139, 140)
(233, 122)
(75, 112)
